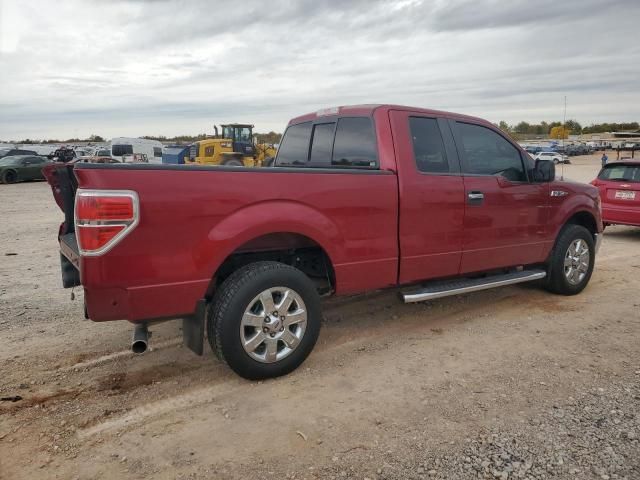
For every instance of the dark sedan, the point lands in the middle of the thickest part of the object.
(18, 168)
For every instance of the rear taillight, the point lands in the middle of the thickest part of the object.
(103, 218)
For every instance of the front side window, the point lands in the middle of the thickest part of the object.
(355, 143)
(487, 153)
(322, 144)
(243, 135)
(428, 146)
(294, 149)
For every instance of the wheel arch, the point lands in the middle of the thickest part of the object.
(274, 230)
(581, 217)
(584, 218)
(291, 248)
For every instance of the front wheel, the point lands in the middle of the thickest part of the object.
(234, 162)
(9, 176)
(572, 261)
(265, 320)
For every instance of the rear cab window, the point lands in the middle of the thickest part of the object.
(343, 142)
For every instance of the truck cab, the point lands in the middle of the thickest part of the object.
(241, 135)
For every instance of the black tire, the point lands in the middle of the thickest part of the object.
(234, 162)
(556, 161)
(9, 176)
(557, 281)
(235, 295)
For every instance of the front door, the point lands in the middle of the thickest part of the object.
(431, 204)
(505, 214)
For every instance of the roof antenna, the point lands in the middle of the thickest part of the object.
(564, 132)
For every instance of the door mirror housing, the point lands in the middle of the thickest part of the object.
(544, 171)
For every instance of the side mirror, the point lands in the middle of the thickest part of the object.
(544, 171)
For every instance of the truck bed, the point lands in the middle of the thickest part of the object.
(193, 217)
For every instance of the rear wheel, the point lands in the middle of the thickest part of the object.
(9, 176)
(572, 261)
(264, 320)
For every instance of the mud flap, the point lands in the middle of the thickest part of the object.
(193, 329)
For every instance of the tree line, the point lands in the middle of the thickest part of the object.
(270, 137)
(571, 126)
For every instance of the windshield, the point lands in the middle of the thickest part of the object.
(239, 134)
(243, 135)
(4, 151)
(624, 173)
(8, 161)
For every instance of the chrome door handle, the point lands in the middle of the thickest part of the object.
(475, 196)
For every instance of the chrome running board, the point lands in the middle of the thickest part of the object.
(456, 287)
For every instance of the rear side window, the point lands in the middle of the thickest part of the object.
(322, 144)
(157, 151)
(428, 147)
(355, 143)
(294, 149)
(623, 173)
(119, 150)
(487, 153)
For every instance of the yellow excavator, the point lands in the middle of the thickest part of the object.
(235, 147)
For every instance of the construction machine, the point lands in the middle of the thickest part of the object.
(233, 147)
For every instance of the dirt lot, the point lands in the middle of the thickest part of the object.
(510, 383)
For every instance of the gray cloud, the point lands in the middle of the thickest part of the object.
(173, 67)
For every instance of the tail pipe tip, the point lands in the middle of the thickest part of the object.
(140, 341)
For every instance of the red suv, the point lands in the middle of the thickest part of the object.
(619, 185)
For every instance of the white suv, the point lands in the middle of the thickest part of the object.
(555, 157)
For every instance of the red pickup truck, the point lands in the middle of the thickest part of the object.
(359, 198)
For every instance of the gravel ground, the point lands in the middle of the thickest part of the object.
(507, 383)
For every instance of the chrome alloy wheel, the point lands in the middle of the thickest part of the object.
(576, 261)
(273, 324)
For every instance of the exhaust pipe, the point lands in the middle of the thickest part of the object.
(140, 340)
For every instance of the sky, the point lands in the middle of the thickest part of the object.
(162, 67)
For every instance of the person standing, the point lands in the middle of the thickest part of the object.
(604, 159)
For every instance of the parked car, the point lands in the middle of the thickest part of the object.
(10, 152)
(554, 157)
(94, 159)
(619, 185)
(531, 149)
(102, 152)
(19, 168)
(360, 198)
(63, 154)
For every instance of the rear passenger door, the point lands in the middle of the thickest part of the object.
(431, 197)
(505, 219)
